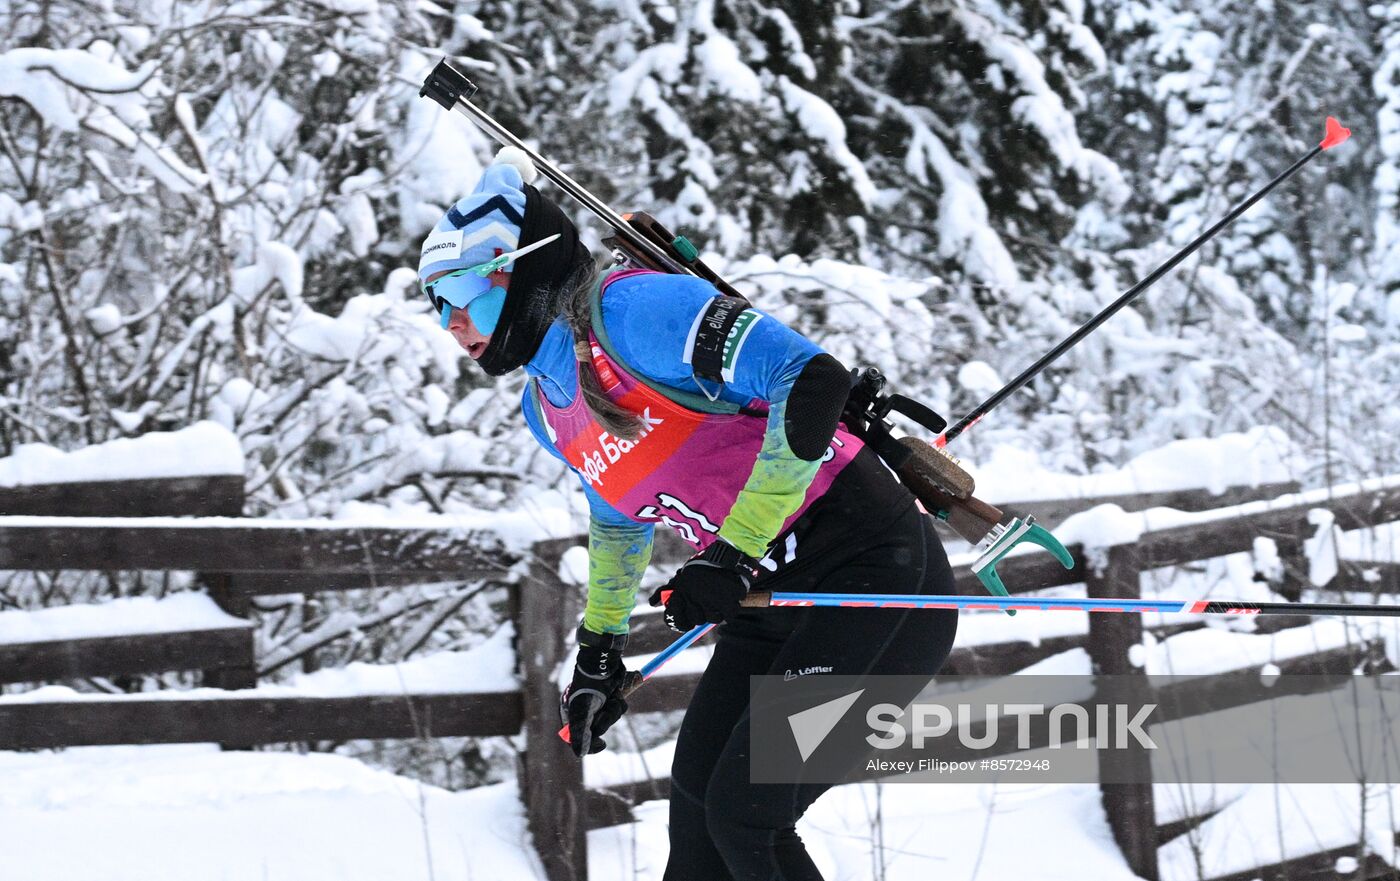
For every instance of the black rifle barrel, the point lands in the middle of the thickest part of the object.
(450, 87)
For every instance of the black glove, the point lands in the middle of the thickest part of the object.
(594, 699)
(708, 588)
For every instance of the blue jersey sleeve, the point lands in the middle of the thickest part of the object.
(651, 322)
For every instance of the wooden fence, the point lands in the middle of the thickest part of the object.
(241, 559)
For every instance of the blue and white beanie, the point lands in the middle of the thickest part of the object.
(484, 224)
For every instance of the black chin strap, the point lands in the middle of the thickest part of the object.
(538, 287)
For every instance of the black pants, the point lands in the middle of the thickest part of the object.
(723, 826)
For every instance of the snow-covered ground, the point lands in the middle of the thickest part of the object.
(964, 832)
(197, 814)
(914, 832)
(194, 813)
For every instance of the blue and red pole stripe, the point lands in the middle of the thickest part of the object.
(764, 599)
(1068, 604)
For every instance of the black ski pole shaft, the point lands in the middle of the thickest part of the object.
(1335, 135)
(450, 87)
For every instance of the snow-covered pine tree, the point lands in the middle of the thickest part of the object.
(780, 127)
(180, 197)
(1385, 85)
(1206, 102)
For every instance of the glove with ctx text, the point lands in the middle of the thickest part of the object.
(708, 588)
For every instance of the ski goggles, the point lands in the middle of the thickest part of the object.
(471, 289)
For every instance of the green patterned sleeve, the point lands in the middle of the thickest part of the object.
(617, 557)
(774, 490)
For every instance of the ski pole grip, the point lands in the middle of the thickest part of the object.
(757, 599)
(630, 682)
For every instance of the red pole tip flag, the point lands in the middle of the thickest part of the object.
(1336, 133)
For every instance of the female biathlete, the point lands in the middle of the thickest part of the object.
(754, 471)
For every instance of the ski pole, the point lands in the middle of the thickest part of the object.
(1335, 135)
(635, 678)
(764, 599)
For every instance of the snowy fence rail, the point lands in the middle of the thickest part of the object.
(214, 649)
(209, 649)
(1053, 511)
(137, 525)
(251, 557)
(219, 495)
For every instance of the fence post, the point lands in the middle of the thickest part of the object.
(1294, 577)
(551, 776)
(1129, 807)
(228, 502)
(226, 597)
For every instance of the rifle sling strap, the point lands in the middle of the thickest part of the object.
(707, 353)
